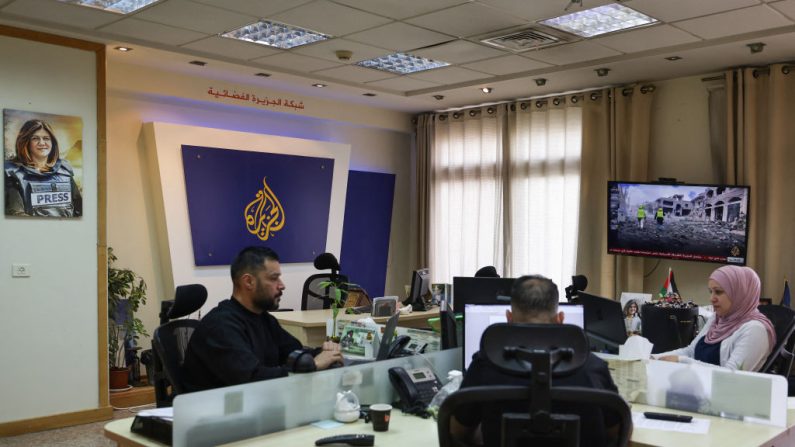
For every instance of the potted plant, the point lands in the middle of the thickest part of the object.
(338, 289)
(126, 293)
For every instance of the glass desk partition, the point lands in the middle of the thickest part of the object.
(238, 412)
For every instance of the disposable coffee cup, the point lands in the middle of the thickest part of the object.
(380, 414)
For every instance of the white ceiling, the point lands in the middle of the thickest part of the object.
(709, 35)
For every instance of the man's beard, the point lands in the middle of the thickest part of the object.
(263, 302)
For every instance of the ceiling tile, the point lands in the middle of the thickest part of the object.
(571, 53)
(537, 10)
(787, 7)
(195, 16)
(402, 84)
(400, 9)
(62, 13)
(354, 73)
(296, 62)
(400, 37)
(672, 10)
(153, 32)
(255, 8)
(449, 75)
(459, 51)
(231, 48)
(646, 39)
(467, 20)
(734, 22)
(327, 48)
(330, 18)
(506, 65)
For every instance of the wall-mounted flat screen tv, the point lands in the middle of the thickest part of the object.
(707, 223)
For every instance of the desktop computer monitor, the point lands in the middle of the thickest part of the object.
(604, 322)
(468, 290)
(477, 317)
(420, 289)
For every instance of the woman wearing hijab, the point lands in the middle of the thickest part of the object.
(737, 336)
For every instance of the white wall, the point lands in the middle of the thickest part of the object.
(379, 141)
(48, 322)
(680, 149)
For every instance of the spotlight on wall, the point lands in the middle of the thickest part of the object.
(438, 97)
(540, 81)
(486, 89)
(756, 47)
(123, 49)
(602, 72)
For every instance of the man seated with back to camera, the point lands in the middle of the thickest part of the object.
(239, 341)
(534, 299)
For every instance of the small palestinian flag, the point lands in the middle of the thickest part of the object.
(669, 288)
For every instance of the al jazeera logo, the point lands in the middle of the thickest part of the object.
(264, 215)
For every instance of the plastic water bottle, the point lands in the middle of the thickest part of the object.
(454, 379)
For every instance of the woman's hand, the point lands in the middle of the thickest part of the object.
(669, 358)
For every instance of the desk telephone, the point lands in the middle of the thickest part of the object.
(416, 387)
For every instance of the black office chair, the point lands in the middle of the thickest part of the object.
(537, 352)
(488, 271)
(780, 359)
(170, 341)
(578, 284)
(315, 296)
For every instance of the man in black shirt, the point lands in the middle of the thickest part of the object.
(240, 341)
(534, 299)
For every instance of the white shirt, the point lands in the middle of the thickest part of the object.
(746, 349)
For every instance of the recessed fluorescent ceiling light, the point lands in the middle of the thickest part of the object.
(274, 34)
(600, 20)
(401, 63)
(119, 6)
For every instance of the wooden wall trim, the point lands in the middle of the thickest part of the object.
(102, 231)
(54, 39)
(55, 421)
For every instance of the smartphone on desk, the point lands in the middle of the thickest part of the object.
(415, 387)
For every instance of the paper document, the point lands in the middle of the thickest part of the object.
(162, 413)
(696, 426)
(630, 378)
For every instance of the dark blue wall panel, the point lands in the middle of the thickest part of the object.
(365, 233)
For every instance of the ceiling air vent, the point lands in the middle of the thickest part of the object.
(526, 39)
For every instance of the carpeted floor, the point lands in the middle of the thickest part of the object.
(88, 435)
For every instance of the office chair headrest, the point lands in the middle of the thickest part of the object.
(487, 272)
(580, 282)
(187, 299)
(499, 338)
(327, 261)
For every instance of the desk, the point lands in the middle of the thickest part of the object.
(411, 430)
(309, 326)
(403, 430)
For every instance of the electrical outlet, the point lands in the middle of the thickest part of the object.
(20, 270)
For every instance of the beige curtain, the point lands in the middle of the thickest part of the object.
(759, 153)
(424, 145)
(505, 189)
(542, 146)
(466, 202)
(616, 139)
